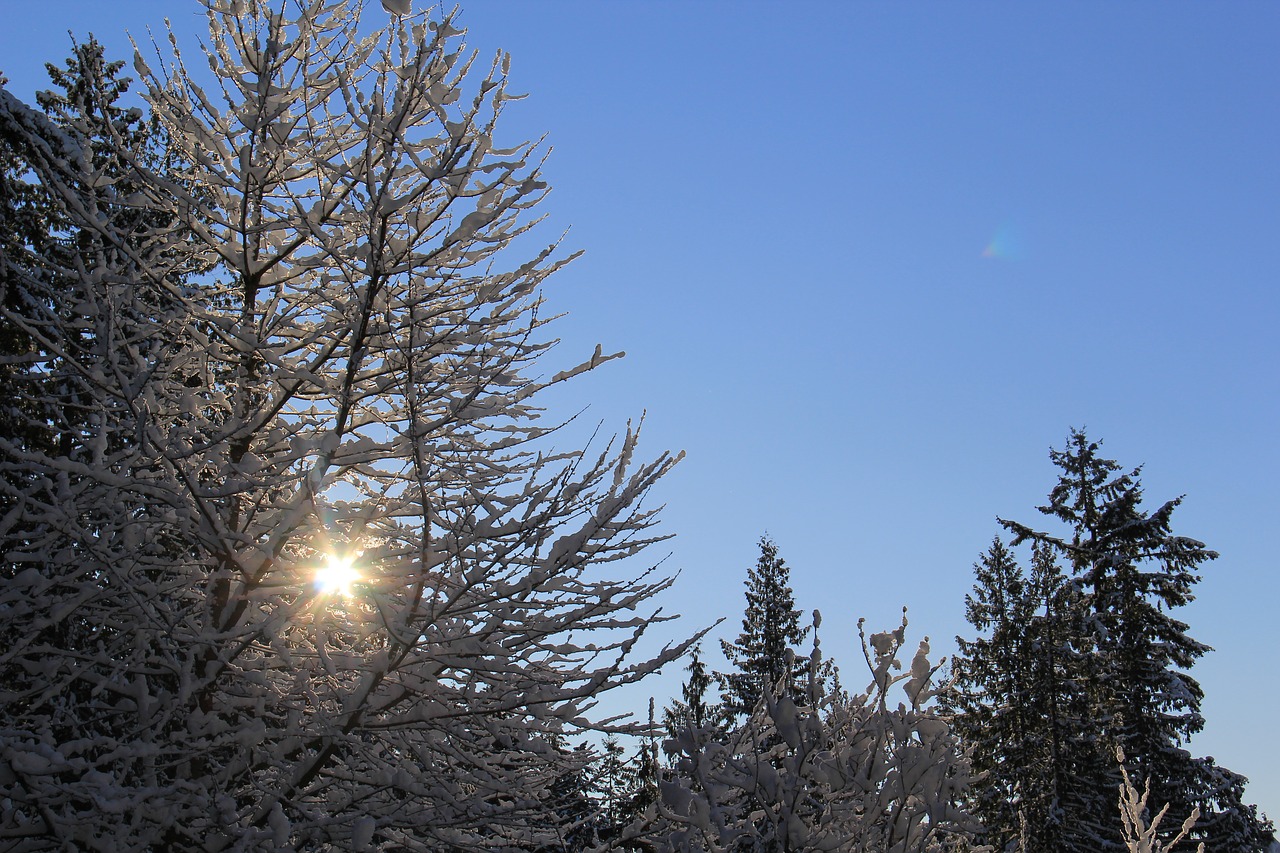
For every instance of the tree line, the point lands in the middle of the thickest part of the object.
(1074, 683)
(280, 320)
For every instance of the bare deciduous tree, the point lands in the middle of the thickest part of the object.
(323, 355)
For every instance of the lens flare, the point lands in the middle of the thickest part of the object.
(337, 576)
(1004, 245)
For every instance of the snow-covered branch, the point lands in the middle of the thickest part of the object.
(299, 336)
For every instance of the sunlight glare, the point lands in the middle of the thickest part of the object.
(336, 576)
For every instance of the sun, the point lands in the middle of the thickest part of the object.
(336, 576)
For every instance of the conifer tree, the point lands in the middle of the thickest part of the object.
(647, 768)
(990, 680)
(1128, 574)
(634, 792)
(62, 240)
(25, 226)
(1018, 696)
(697, 712)
(41, 247)
(1058, 710)
(621, 785)
(766, 652)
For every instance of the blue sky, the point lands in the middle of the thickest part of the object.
(871, 261)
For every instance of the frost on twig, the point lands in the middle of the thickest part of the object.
(854, 773)
(1138, 836)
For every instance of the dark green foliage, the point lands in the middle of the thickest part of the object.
(696, 713)
(632, 794)
(766, 650)
(26, 221)
(576, 813)
(647, 770)
(77, 162)
(1134, 572)
(74, 161)
(1019, 697)
(1071, 665)
(33, 232)
(621, 789)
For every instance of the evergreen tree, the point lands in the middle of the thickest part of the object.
(1060, 798)
(1107, 660)
(990, 683)
(766, 650)
(79, 237)
(1018, 699)
(636, 796)
(620, 787)
(573, 816)
(26, 226)
(696, 713)
(40, 246)
(647, 768)
(96, 237)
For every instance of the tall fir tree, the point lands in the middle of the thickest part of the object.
(1018, 697)
(767, 650)
(1131, 572)
(622, 786)
(51, 262)
(988, 690)
(1062, 812)
(695, 711)
(26, 225)
(39, 244)
(131, 248)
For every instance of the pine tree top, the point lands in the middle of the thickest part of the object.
(766, 650)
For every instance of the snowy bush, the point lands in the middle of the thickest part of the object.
(843, 773)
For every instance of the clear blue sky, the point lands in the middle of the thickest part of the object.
(871, 261)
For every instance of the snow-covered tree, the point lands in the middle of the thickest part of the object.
(989, 691)
(622, 789)
(24, 225)
(308, 568)
(831, 772)
(41, 243)
(1132, 573)
(767, 648)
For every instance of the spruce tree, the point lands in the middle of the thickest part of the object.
(1018, 699)
(620, 785)
(766, 652)
(988, 691)
(696, 713)
(1132, 572)
(25, 228)
(39, 244)
(1060, 795)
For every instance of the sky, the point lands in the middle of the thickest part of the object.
(871, 261)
